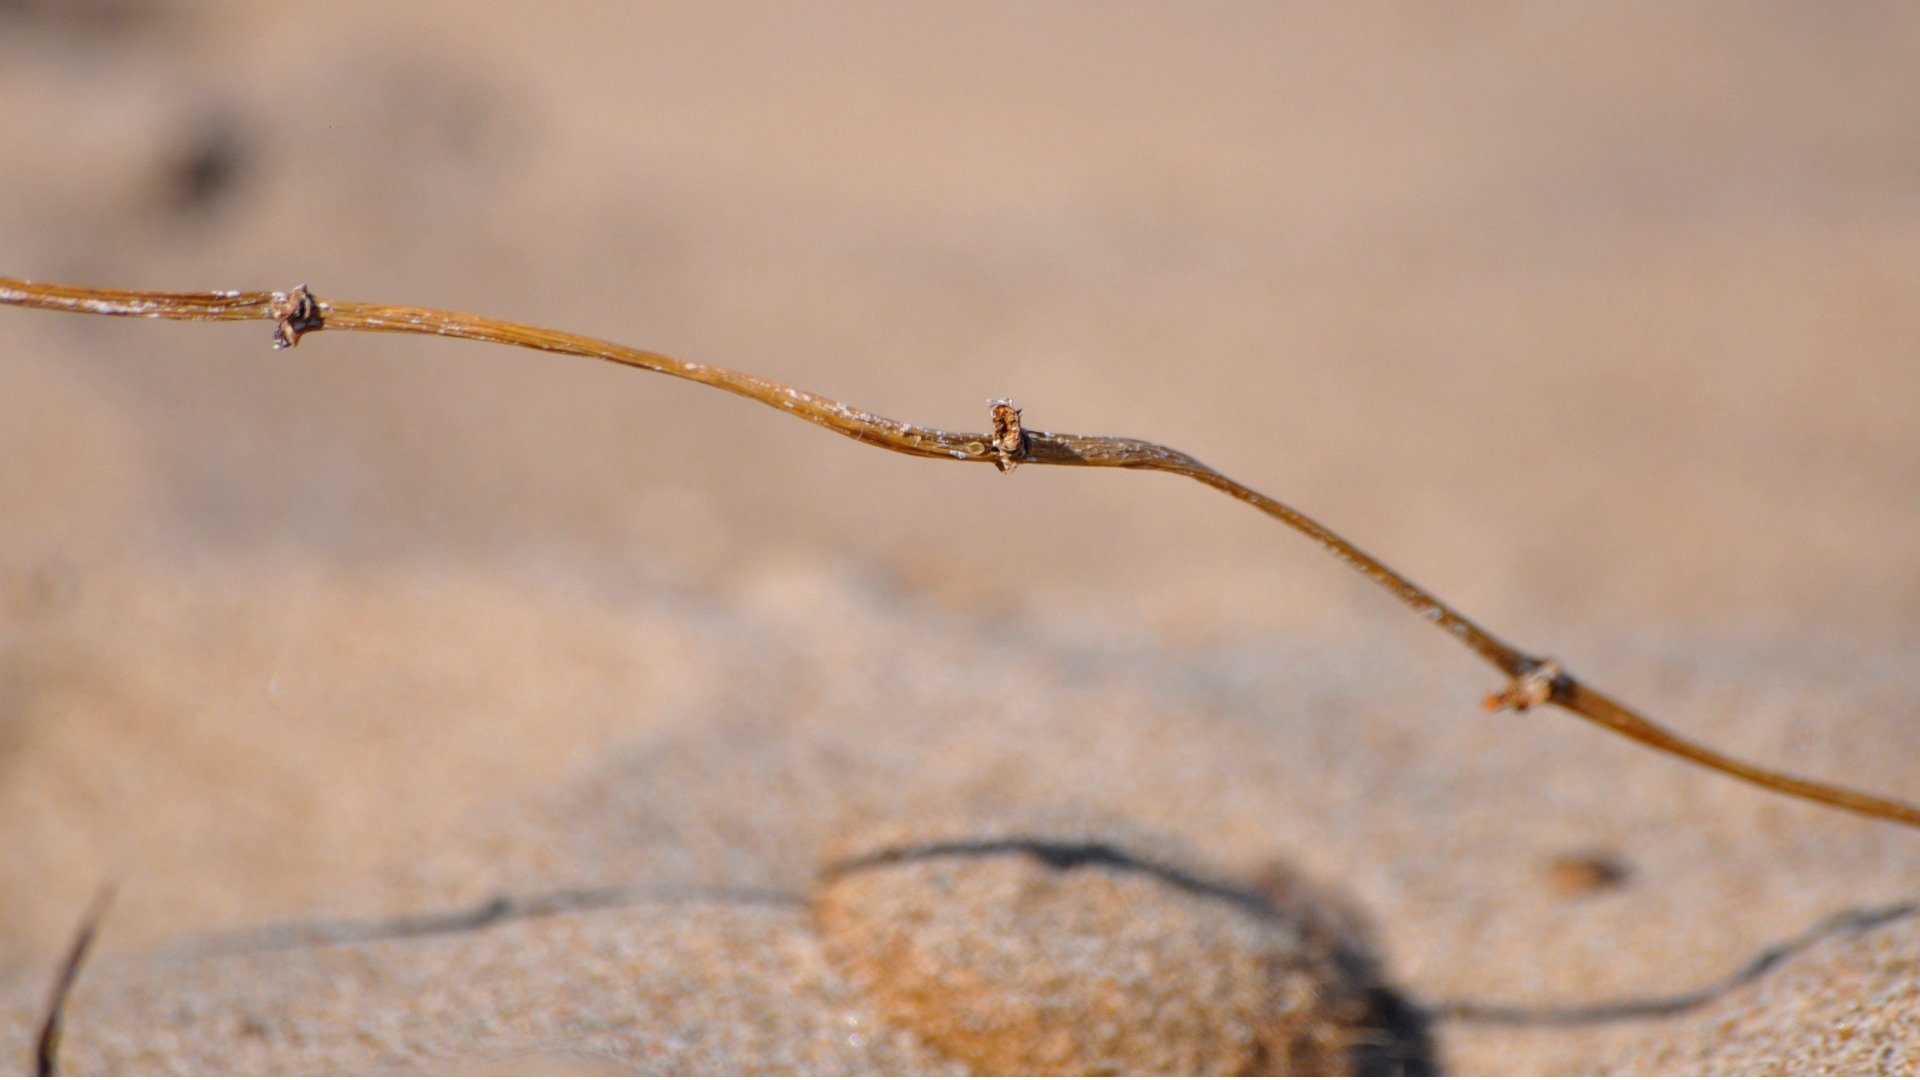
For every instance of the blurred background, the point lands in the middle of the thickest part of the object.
(1597, 319)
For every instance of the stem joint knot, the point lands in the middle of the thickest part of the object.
(1009, 438)
(1532, 687)
(295, 313)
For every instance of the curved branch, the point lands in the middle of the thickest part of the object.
(1535, 680)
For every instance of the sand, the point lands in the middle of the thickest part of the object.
(437, 707)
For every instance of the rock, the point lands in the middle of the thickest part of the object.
(1063, 945)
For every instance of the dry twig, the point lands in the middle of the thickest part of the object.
(46, 1049)
(1534, 680)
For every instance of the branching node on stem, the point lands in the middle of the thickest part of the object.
(1533, 687)
(1009, 438)
(295, 313)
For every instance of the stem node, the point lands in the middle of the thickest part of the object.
(1009, 438)
(1532, 687)
(294, 314)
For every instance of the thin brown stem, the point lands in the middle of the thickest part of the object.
(1535, 680)
(46, 1048)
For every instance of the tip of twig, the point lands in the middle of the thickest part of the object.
(1009, 438)
(47, 1047)
(296, 312)
(1531, 688)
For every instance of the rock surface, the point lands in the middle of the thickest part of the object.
(1044, 947)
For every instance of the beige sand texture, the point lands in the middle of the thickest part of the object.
(1844, 1008)
(440, 706)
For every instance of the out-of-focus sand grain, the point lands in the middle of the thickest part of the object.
(1596, 319)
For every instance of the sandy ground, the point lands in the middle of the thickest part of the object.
(439, 706)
